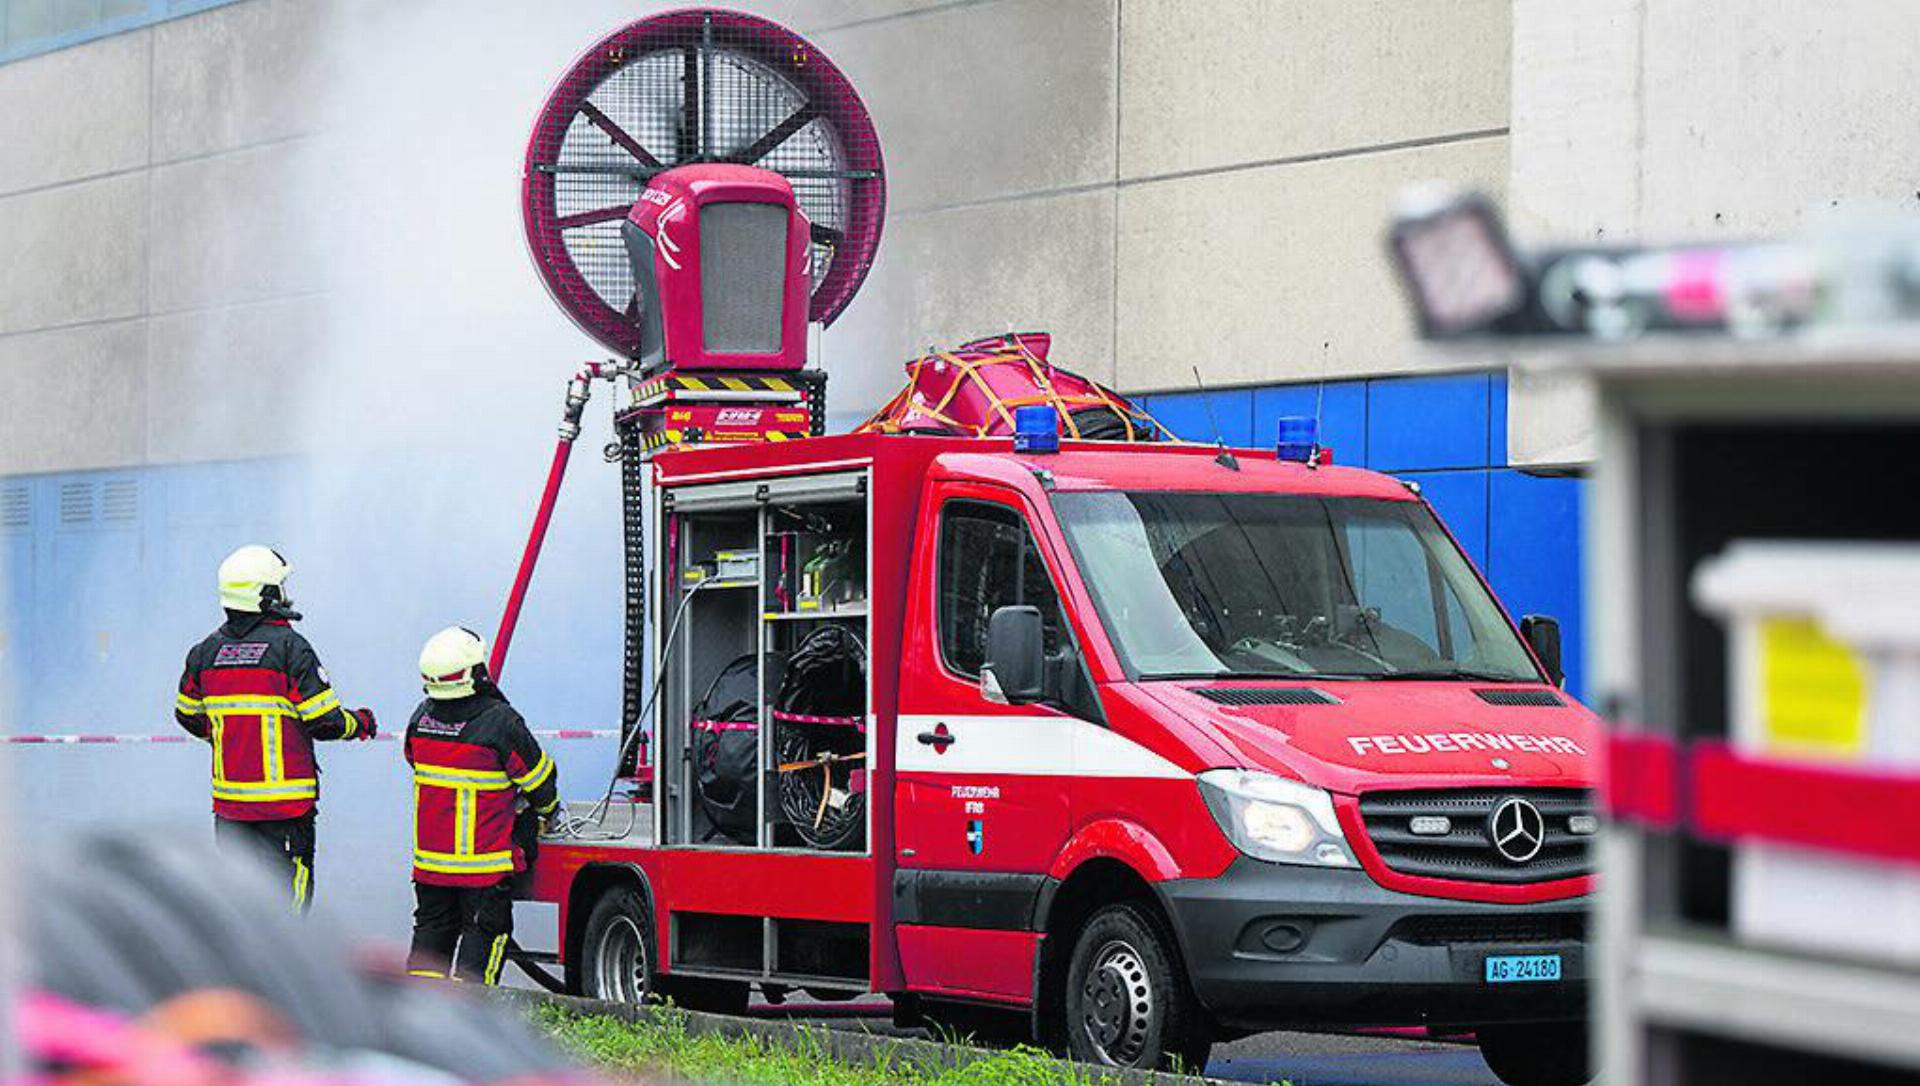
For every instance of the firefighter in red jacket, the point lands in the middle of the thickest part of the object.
(255, 691)
(474, 761)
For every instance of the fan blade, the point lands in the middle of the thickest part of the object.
(827, 235)
(588, 218)
(780, 133)
(687, 143)
(618, 135)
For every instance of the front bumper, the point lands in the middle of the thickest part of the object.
(1270, 945)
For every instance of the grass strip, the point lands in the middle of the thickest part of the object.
(662, 1045)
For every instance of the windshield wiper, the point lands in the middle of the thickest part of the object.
(1176, 676)
(1443, 674)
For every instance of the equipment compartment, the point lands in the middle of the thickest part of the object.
(763, 724)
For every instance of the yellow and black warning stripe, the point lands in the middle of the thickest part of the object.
(701, 437)
(685, 382)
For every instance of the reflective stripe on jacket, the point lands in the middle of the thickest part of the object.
(255, 691)
(472, 759)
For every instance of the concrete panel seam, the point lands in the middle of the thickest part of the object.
(1213, 171)
(1330, 155)
(930, 9)
(249, 303)
(151, 162)
(68, 326)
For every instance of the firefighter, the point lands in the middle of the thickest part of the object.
(255, 691)
(481, 784)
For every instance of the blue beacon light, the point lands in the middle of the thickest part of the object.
(1299, 438)
(1036, 429)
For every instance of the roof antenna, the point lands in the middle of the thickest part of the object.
(1226, 458)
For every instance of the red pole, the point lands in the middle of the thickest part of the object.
(577, 393)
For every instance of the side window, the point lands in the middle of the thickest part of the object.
(988, 560)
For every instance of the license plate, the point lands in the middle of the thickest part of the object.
(1509, 968)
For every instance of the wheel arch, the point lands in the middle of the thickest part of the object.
(588, 886)
(1065, 908)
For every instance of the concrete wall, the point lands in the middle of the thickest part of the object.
(1686, 120)
(1165, 183)
(154, 246)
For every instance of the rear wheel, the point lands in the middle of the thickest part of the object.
(1537, 1053)
(1127, 1004)
(616, 953)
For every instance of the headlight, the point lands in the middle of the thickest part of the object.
(1272, 818)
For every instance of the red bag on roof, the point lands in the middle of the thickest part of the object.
(974, 391)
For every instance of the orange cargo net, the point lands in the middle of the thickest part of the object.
(975, 389)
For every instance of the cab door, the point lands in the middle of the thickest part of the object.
(981, 788)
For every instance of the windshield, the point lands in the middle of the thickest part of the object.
(1235, 585)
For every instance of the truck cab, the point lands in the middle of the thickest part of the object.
(1141, 747)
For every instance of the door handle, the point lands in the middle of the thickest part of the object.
(939, 739)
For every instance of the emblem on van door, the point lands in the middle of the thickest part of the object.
(976, 836)
(1516, 829)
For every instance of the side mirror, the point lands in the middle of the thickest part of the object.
(1543, 635)
(1015, 670)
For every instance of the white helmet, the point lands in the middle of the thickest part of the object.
(251, 579)
(450, 662)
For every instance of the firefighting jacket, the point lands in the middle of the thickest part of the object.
(472, 759)
(256, 692)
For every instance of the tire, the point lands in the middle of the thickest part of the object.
(1128, 1004)
(618, 962)
(1537, 1053)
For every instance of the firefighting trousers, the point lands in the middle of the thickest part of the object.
(468, 926)
(284, 844)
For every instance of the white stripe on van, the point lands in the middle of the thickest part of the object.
(1027, 746)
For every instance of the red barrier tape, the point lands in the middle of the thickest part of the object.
(1857, 811)
(1715, 792)
(93, 740)
(1643, 780)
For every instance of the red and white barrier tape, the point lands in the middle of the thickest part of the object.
(182, 737)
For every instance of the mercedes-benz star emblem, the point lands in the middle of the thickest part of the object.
(1516, 829)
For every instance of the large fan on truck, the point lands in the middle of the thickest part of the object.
(685, 88)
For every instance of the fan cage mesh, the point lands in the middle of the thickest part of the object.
(688, 87)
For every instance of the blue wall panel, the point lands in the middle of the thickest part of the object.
(1342, 409)
(1186, 414)
(1422, 423)
(1460, 499)
(1534, 557)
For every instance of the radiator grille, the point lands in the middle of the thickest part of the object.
(1520, 697)
(1278, 695)
(1467, 850)
(1507, 928)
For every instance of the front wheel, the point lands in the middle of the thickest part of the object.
(616, 953)
(1127, 1004)
(1537, 1054)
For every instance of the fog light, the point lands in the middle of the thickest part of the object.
(1431, 825)
(1583, 825)
(1284, 938)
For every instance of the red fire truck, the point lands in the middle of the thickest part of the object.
(1155, 751)
(1125, 746)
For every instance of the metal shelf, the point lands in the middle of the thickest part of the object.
(1817, 1004)
(802, 616)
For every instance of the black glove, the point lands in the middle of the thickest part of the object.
(368, 729)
